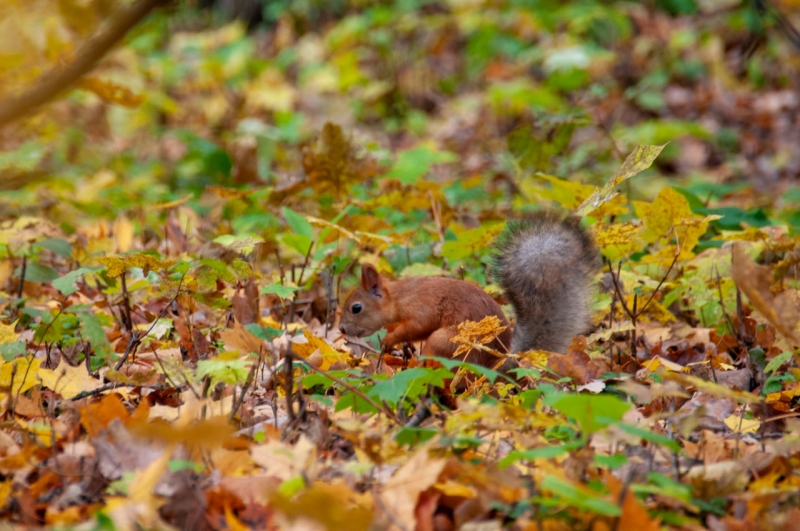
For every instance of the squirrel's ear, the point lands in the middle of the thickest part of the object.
(371, 280)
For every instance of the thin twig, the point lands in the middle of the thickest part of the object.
(109, 387)
(126, 303)
(22, 276)
(247, 383)
(60, 78)
(136, 338)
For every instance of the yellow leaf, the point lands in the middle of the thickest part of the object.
(471, 333)
(116, 265)
(670, 216)
(270, 92)
(338, 507)
(22, 372)
(142, 486)
(566, 193)
(5, 491)
(329, 354)
(110, 92)
(123, 232)
(68, 381)
(657, 362)
(639, 160)
(7, 334)
(737, 424)
(42, 432)
(619, 240)
(452, 488)
(173, 204)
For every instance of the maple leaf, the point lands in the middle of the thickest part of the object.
(116, 265)
(7, 334)
(401, 492)
(481, 333)
(67, 380)
(20, 372)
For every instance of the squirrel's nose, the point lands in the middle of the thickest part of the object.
(342, 329)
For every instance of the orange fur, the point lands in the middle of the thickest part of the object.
(421, 309)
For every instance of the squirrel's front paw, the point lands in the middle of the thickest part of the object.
(408, 350)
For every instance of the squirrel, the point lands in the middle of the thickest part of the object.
(545, 264)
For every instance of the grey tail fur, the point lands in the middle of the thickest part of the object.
(545, 263)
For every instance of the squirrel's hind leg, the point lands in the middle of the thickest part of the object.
(439, 344)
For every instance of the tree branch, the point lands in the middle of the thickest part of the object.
(50, 84)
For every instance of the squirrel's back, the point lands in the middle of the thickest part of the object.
(545, 263)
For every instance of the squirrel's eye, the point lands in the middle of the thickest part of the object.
(356, 308)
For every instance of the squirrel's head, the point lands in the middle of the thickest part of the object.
(366, 309)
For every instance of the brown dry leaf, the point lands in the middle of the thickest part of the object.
(575, 364)
(241, 339)
(782, 310)
(207, 434)
(245, 303)
(95, 417)
(711, 388)
(400, 494)
(334, 164)
(726, 477)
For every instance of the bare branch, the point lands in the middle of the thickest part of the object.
(50, 84)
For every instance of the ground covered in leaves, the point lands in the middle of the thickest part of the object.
(177, 229)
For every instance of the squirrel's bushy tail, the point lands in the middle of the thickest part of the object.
(546, 263)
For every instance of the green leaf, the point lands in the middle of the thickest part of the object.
(68, 284)
(579, 498)
(775, 383)
(354, 402)
(93, 331)
(299, 224)
(233, 372)
(176, 465)
(544, 452)
(410, 383)
(298, 242)
(38, 273)
(776, 362)
(245, 244)
(611, 461)
(648, 435)
(480, 370)
(56, 245)
(415, 163)
(339, 263)
(472, 242)
(591, 412)
(12, 350)
(414, 436)
(284, 292)
(263, 332)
